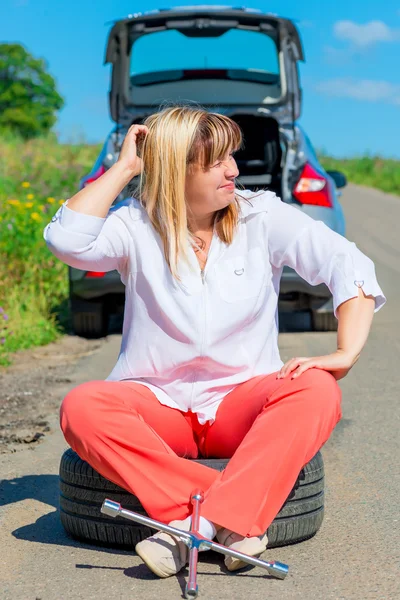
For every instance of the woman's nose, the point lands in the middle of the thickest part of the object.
(231, 171)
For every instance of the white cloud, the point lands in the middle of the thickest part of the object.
(361, 89)
(365, 35)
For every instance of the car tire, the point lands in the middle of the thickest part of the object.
(89, 319)
(83, 490)
(323, 321)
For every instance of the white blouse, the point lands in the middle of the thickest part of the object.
(193, 342)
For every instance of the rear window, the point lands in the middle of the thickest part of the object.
(164, 55)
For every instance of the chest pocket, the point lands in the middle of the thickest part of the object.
(242, 277)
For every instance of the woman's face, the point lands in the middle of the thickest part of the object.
(208, 190)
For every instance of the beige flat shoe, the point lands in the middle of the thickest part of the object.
(164, 553)
(253, 546)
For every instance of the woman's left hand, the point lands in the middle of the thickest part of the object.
(338, 364)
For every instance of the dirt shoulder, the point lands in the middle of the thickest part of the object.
(33, 387)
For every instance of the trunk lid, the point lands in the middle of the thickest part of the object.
(216, 56)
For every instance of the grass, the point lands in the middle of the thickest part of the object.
(372, 171)
(35, 178)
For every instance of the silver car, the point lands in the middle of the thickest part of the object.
(237, 61)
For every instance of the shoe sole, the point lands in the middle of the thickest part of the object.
(236, 563)
(152, 565)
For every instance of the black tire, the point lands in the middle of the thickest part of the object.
(83, 490)
(89, 319)
(323, 321)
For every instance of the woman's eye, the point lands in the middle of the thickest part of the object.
(221, 162)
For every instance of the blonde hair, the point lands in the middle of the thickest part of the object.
(181, 136)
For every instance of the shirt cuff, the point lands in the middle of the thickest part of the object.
(356, 270)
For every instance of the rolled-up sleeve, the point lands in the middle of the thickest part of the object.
(320, 255)
(87, 242)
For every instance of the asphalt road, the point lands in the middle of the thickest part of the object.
(355, 554)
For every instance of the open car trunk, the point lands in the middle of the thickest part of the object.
(225, 59)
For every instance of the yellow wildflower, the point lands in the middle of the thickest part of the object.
(61, 201)
(28, 204)
(30, 196)
(36, 217)
(51, 200)
(42, 207)
(26, 184)
(13, 202)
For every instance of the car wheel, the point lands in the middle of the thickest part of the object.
(83, 490)
(89, 319)
(323, 321)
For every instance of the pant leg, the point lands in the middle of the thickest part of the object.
(129, 437)
(271, 428)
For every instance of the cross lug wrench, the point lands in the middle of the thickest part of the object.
(193, 540)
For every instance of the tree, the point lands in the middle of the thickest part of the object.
(28, 95)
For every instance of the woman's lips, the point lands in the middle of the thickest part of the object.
(229, 186)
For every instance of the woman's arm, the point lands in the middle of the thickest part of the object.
(355, 319)
(86, 233)
(88, 242)
(97, 197)
(319, 255)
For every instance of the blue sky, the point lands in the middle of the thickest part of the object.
(350, 79)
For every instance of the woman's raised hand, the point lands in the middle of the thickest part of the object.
(128, 155)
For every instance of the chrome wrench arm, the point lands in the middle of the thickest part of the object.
(193, 539)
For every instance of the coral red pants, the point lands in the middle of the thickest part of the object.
(269, 428)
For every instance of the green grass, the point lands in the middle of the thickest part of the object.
(35, 178)
(372, 171)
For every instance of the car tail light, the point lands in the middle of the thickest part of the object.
(313, 188)
(95, 274)
(100, 171)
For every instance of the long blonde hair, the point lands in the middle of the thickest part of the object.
(179, 137)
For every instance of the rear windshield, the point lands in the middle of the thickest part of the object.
(171, 56)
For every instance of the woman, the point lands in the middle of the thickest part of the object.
(199, 371)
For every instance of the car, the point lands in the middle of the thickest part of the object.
(205, 58)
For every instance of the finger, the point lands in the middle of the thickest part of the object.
(138, 129)
(304, 367)
(284, 370)
(290, 365)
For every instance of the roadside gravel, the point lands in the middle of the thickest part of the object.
(31, 388)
